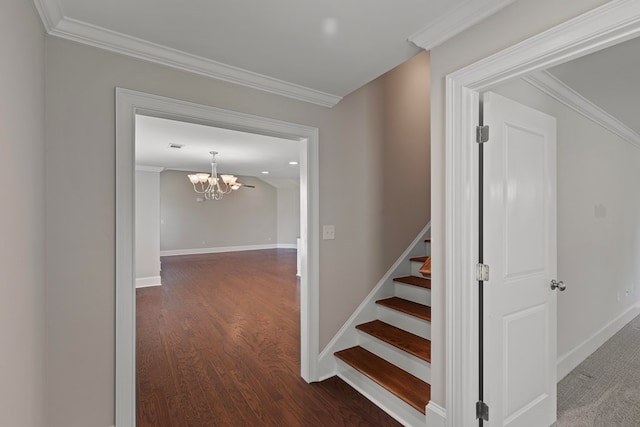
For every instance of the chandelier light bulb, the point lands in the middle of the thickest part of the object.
(227, 178)
(210, 185)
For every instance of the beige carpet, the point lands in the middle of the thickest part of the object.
(604, 390)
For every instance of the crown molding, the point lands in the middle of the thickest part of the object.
(454, 22)
(61, 26)
(618, 19)
(50, 12)
(557, 89)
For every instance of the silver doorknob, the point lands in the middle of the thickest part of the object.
(559, 285)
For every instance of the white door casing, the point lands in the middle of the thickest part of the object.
(612, 23)
(128, 104)
(520, 248)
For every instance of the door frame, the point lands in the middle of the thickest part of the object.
(607, 25)
(130, 103)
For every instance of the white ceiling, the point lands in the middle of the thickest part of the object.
(317, 51)
(610, 79)
(240, 153)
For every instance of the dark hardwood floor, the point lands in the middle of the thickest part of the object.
(218, 345)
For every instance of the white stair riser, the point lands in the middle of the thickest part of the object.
(403, 360)
(415, 268)
(413, 293)
(387, 401)
(409, 323)
(427, 248)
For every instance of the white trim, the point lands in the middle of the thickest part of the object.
(557, 89)
(125, 341)
(50, 12)
(64, 27)
(463, 16)
(128, 104)
(461, 256)
(607, 25)
(612, 23)
(287, 246)
(346, 336)
(382, 398)
(436, 415)
(219, 249)
(144, 168)
(147, 282)
(568, 361)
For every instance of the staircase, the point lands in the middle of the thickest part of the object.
(390, 360)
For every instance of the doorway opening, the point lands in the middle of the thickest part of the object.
(610, 24)
(227, 302)
(130, 104)
(598, 164)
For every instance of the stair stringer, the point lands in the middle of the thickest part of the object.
(347, 336)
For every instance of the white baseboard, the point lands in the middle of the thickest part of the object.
(220, 249)
(568, 362)
(436, 415)
(146, 282)
(287, 246)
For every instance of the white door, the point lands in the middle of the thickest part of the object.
(520, 249)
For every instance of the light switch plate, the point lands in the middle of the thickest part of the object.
(328, 232)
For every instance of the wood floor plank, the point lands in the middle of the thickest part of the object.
(218, 345)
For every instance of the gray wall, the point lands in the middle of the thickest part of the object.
(22, 327)
(147, 226)
(246, 217)
(519, 21)
(406, 153)
(288, 215)
(598, 251)
(80, 127)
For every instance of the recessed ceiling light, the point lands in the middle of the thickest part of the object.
(293, 163)
(330, 26)
(265, 172)
(176, 146)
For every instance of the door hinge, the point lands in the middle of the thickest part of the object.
(482, 134)
(482, 411)
(482, 272)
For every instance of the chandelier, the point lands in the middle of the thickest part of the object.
(210, 186)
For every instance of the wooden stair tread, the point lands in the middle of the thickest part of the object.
(415, 281)
(407, 387)
(427, 239)
(406, 341)
(419, 258)
(409, 307)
